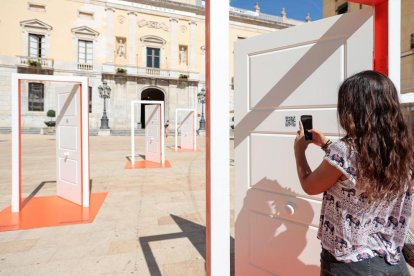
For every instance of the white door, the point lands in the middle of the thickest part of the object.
(279, 77)
(187, 130)
(153, 133)
(68, 143)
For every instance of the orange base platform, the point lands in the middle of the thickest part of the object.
(47, 211)
(143, 164)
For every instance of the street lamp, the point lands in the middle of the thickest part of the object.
(202, 99)
(104, 93)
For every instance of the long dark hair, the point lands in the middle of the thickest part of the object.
(369, 111)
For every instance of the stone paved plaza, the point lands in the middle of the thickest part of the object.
(152, 221)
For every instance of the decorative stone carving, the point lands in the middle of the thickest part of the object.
(121, 19)
(120, 47)
(84, 32)
(152, 24)
(35, 24)
(183, 28)
(183, 54)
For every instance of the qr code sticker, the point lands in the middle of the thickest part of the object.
(290, 121)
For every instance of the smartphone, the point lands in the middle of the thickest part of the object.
(307, 124)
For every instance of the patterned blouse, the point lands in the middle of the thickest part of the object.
(352, 230)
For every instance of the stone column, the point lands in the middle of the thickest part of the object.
(144, 55)
(109, 35)
(193, 42)
(173, 44)
(203, 64)
(132, 38)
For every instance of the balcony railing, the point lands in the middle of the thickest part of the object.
(25, 61)
(153, 72)
(85, 66)
(150, 72)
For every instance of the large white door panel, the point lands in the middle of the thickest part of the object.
(287, 121)
(67, 138)
(284, 89)
(187, 130)
(271, 157)
(282, 247)
(286, 205)
(279, 77)
(68, 171)
(68, 149)
(153, 133)
(64, 102)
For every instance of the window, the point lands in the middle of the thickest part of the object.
(36, 96)
(85, 52)
(153, 57)
(342, 9)
(86, 15)
(37, 7)
(36, 45)
(90, 99)
(412, 41)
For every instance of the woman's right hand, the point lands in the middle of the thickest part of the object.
(318, 138)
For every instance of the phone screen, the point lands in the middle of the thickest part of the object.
(307, 124)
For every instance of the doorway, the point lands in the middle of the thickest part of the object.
(150, 94)
(72, 138)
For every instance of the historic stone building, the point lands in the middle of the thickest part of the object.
(333, 7)
(143, 49)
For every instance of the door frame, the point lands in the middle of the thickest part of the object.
(16, 199)
(194, 126)
(133, 103)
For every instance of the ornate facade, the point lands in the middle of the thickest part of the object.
(143, 49)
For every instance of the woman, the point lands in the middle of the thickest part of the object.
(365, 180)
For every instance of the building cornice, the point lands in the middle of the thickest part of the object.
(189, 11)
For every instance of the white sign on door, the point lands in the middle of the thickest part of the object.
(279, 77)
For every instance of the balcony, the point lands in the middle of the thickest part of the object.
(85, 66)
(150, 72)
(34, 65)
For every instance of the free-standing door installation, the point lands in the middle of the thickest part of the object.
(153, 133)
(72, 137)
(279, 77)
(185, 123)
(68, 146)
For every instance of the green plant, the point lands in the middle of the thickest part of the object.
(183, 76)
(51, 114)
(121, 70)
(34, 63)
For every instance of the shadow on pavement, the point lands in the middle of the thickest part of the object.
(196, 234)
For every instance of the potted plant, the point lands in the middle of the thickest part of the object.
(120, 70)
(34, 63)
(183, 76)
(51, 114)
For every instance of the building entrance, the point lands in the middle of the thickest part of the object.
(150, 94)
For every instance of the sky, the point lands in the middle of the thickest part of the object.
(296, 9)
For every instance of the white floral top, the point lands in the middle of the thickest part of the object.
(352, 230)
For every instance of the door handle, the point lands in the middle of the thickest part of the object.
(290, 209)
(66, 155)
